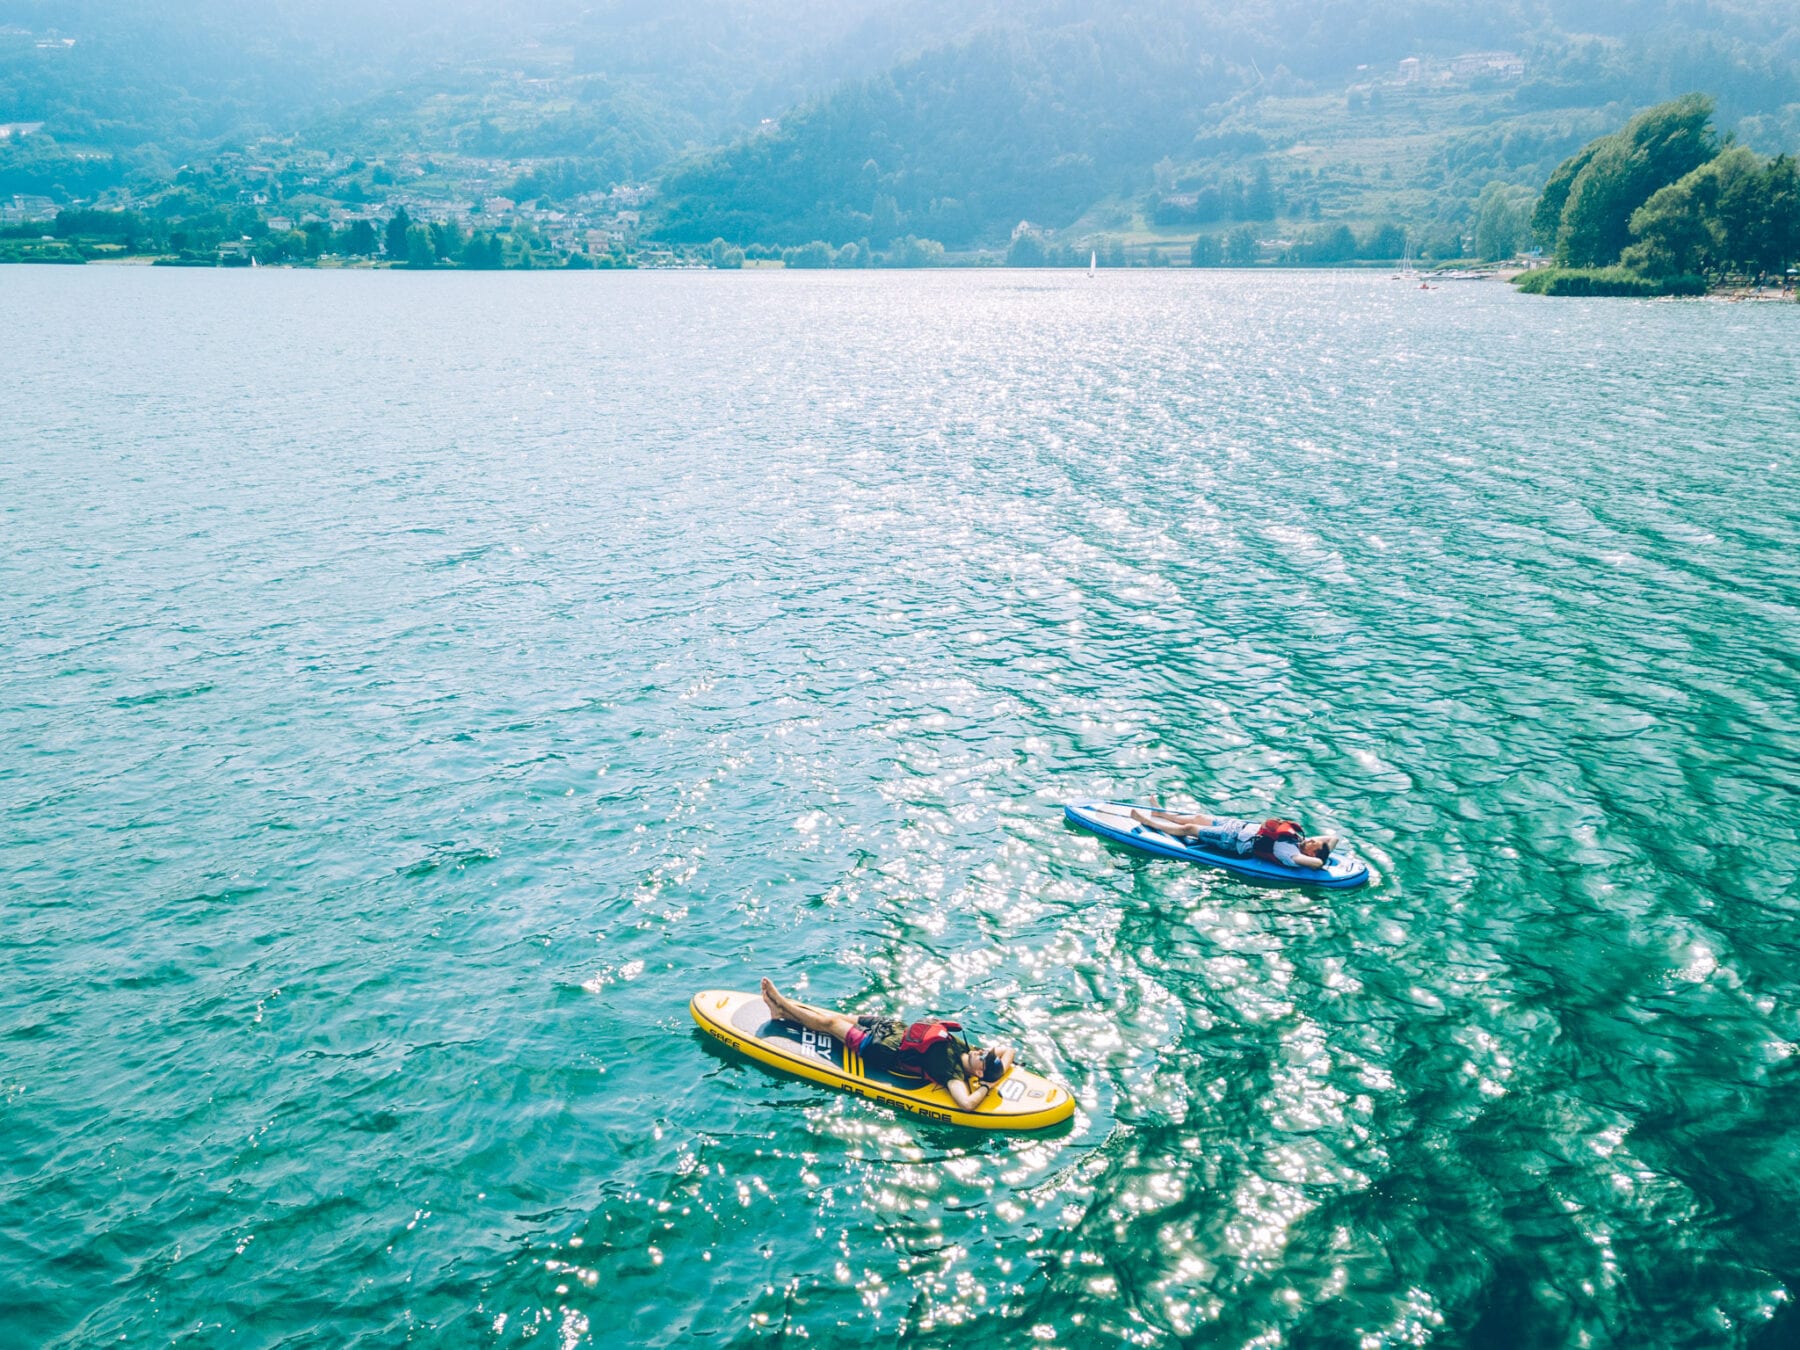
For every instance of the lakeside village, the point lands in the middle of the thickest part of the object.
(1663, 206)
(276, 203)
(270, 205)
(269, 218)
(273, 216)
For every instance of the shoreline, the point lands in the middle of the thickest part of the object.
(1733, 294)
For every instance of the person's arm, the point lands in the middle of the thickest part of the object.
(965, 1097)
(1293, 857)
(969, 1098)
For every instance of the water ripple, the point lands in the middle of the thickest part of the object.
(418, 687)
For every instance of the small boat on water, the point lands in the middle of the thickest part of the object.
(1093, 262)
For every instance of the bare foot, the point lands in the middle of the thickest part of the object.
(776, 1003)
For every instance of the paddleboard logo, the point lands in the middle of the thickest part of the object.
(1011, 1090)
(817, 1043)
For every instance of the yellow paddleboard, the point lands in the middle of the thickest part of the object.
(1019, 1101)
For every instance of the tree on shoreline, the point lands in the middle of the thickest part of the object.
(1660, 204)
(394, 240)
(1732, 214)
(1621, 171)
(1502, 221)
(359, 239)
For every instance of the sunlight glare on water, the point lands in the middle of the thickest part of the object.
(417, 687)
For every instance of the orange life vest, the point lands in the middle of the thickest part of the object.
(919, 1038)
(1273, 832)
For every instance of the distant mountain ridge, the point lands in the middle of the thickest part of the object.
(1042, 116)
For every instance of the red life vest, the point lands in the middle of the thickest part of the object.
(919, 1038)
(1272, 833)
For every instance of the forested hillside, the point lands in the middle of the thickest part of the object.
(127, 89)
(960, 142)
(1206, 115)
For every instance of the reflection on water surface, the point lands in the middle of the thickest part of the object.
(420, 686)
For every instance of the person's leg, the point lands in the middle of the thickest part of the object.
(1222, 832)
(1181, 827)
(1173, 826)
(804, 1014)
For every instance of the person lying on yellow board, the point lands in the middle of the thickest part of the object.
(930, 1049)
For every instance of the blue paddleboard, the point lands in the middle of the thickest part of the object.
(1112, 820)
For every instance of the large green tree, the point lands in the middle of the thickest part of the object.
(1778, 241)
(1674, 234)
(419, 250)
(1546, 220)
(394, 240)
(1739, 174)
(1654, 149)
(1502, 221)
(1732, 214)
(359, 239)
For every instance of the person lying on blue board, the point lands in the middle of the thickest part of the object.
(929, 1049)
(1278, 840)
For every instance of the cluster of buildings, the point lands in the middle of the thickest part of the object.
(292, 187)
(1414, 75)
(48, 41)
(471, 193)
(25, 208)
(1470, 66)
(596, 223)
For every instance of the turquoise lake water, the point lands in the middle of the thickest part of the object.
(416, 687)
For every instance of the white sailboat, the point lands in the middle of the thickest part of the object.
(1093, 261)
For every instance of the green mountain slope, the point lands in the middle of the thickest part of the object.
(126, 87)
(1177, 117)
(957, 144)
